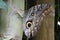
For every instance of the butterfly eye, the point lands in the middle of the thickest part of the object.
(28, 24)
(32, 14)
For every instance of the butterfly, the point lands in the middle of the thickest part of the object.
(32, 20)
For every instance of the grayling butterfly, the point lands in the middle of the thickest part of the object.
(34, 17)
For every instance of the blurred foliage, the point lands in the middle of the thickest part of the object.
(24, 37)
(3, 5)
(57, 27)
(58, 4)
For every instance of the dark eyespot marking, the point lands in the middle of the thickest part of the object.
(28, 24)
(32, 14)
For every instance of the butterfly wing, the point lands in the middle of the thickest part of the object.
(33, 19)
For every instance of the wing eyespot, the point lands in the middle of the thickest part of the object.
(28, 24)
(32, 14)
